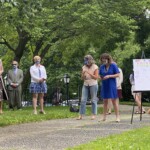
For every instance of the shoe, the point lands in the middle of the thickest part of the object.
(42, 112)
(35, 112)
(143, 112)
(117, 120)
(93, 118)
(104, 119)
(79, 118)
(109, 113)
(137, 112)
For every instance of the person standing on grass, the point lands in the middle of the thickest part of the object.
(38, 85)
(108, 73)
(89, 75)
(2, 88)
(15, 79)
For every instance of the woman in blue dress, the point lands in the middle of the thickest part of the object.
(108, 73)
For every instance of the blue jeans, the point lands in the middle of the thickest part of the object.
(93, 92)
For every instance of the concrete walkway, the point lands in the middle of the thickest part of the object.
(63, 133)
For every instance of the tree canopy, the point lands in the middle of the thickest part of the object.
(63, 31)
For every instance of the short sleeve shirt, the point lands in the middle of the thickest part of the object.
(90, 81)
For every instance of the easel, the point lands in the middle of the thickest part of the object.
(142, 57)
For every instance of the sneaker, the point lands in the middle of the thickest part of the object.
(42, 112)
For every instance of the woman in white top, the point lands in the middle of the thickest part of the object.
(38, 85)
(89, 75)
(137, 96)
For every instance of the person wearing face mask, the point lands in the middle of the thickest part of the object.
(89, 75)
(108, 73)
(38, 85)
(15, 79)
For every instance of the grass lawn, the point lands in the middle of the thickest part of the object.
(131, 103)
(137, 139)
(25, 115)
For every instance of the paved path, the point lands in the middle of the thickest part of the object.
(62, 133)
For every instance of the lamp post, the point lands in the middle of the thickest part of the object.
(66, 81)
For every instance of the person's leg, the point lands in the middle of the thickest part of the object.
(116, 109)
(109, 107)
(34, 100)
(93, 92)
(18, 99)
(117, 101)
(105, 101)
(83, 101)
(138, 97)
(11, 99)
(1, 105)
(41, 95)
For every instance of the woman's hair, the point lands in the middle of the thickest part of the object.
(106, 56)
(90, 59)
(36, 58)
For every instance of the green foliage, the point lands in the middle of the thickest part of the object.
(126, 49)
(62, 32)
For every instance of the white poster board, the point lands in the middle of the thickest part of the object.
(141, 69)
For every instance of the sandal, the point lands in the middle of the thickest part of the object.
(93, 117)
(109, 113)
(42, 112)
(103, 119)
(137, 112)
(118, 120)
(79, 118)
